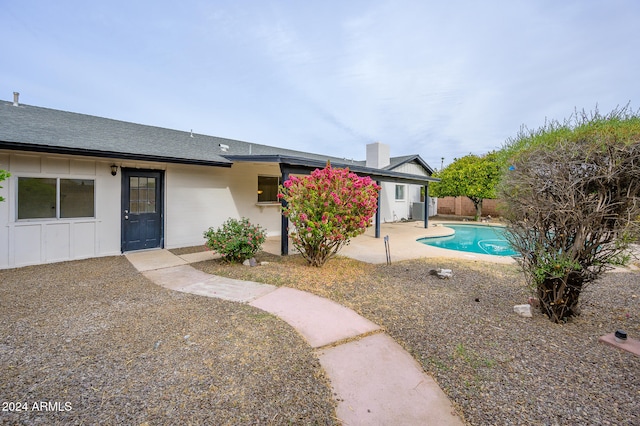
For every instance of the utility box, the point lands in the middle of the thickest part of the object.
(417, 211)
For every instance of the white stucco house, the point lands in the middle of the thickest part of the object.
(83, 186)
(400, 200)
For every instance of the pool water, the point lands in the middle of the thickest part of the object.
(474, 239)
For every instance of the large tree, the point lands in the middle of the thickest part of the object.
(472, 176)
(571, 202)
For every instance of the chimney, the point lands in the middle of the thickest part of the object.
(16, 95)
(378, 155)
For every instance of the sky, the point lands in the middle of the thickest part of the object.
(441, 79)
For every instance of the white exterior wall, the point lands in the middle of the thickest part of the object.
(35, 241)
(390, 209)
(199, 197)
(245, 191)
(195, 198)
(393, 210)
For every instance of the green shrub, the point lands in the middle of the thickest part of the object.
(3, 175)
(236, 240)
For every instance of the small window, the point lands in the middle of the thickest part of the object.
(39, 198)
(76, 198)
(268, 189)
(36, 198)
(399, 192)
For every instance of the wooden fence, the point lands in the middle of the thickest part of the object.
(463, 206)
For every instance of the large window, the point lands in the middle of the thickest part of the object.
(268, 189)
(51, 198)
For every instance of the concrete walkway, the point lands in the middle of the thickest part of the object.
(376, 382)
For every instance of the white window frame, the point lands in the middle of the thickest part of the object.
(57, 200)
(276, 201)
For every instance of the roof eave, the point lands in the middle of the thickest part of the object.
(410, 159)
(309, 164)
(17, 146)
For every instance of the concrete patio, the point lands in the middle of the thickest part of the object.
(403, 244)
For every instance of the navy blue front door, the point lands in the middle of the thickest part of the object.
(142, 215)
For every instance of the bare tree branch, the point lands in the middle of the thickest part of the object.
(571, 201)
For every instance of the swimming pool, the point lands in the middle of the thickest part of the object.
(474, 239)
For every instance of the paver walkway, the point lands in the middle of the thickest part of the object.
(376, 382)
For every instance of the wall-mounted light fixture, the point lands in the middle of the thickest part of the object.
(114, 170)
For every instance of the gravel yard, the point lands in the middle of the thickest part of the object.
(94, 342)
(98, 343)
(497, 367)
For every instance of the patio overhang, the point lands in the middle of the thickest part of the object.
(302, 165)
(293, 165)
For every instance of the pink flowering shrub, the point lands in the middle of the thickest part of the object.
(327, 208)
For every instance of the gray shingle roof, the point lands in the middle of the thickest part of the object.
(398, 161)
(49, 130)
(32, 128)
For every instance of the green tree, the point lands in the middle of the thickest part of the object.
(571, 202)
(327, 208)
(3, 176)
(472, 176)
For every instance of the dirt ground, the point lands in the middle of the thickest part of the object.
(94, 342)
(497, 367)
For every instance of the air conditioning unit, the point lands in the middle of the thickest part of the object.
(417, 211)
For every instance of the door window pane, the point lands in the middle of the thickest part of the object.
(133, 195)
(76, 198)
(150, 202)
(36, 198)
(142, 194)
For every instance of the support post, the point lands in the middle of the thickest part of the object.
(284, 221)
(378, 212)
(426, 206)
